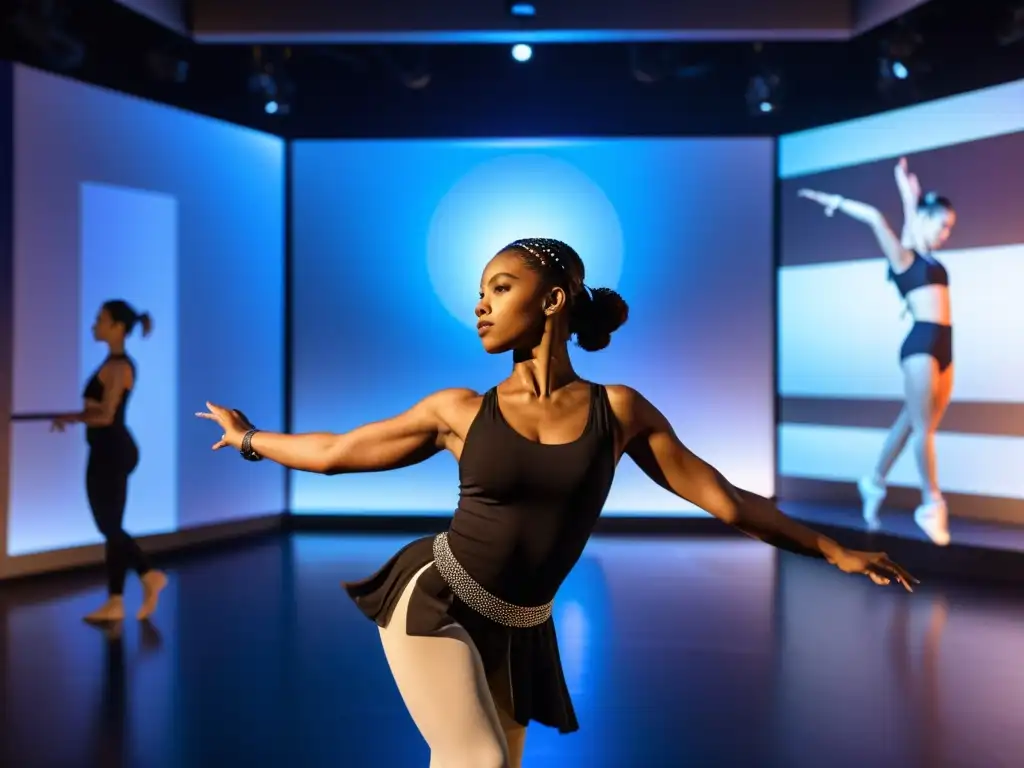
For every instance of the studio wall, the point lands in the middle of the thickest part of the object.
(183, 216)
(391, 237)
(841, 322)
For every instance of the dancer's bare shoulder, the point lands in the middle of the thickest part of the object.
(632, 412)
(456, 409)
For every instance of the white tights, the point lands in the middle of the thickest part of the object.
(442, 681)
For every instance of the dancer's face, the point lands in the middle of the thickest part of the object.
(510, 313)
(935, 226)
(104, 328)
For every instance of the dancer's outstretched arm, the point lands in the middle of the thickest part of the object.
(899, 257)
(910, 195)
(401, 441)
(651, 442)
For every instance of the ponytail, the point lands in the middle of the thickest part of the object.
(146, 321)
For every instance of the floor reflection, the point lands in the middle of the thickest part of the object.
(691, 653)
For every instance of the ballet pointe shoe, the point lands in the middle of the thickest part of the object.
(153, 583)
(933, 519)
(871, 496)
(109, 612)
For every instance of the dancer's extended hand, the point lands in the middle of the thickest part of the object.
(907, 183)
(831, 202)
(58, 424)
(875, 565)
(231, 420)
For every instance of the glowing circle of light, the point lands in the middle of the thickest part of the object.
(512, 197)
(522, 52)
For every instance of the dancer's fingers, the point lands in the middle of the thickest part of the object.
(219, 444)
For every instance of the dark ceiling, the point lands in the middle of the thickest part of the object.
(947, 46)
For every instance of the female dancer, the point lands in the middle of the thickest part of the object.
(926, 356)
(113, 456)
(465, 617)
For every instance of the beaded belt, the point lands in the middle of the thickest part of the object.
(478, 598)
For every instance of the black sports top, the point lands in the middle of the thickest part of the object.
(94, 391)
(923, 271)
(526, 509)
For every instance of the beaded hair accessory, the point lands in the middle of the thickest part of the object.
(554, 254)
(547, 251)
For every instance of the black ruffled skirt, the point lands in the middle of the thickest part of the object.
(534, 667)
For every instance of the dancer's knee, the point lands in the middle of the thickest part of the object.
(472, 753)
(923, 437)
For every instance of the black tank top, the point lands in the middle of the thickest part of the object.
(923, 271)
(526, 510)
(94, 391)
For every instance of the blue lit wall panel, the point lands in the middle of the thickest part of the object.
(116, 225)
(86, 224)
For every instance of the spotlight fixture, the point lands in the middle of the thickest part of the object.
(763, 93)
(899, 60)
(270, 84)
(522, 10)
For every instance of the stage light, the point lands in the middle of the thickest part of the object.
(269, 82)
(763, 93)
(522, 52)
(522, 9)
(899, 60)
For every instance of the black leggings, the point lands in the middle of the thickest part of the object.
(106, 484)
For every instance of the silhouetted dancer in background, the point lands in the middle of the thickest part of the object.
(113, 456)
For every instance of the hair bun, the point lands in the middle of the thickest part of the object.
(146, 321)
(596, 315)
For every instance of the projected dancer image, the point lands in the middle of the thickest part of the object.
(926, 356)
(113, 456)
(465, 617)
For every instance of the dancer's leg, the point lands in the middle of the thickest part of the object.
(872, 487)
(99, 482)
(153, 581)
(895, 442)
(921, 381)
(443, 684)
(106, 483)
(927, 395)
(515, 734)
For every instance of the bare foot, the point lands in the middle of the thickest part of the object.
(153, 583)
(112, 610)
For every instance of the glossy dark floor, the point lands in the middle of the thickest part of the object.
(693, 652)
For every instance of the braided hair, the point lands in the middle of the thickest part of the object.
(594, 313)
